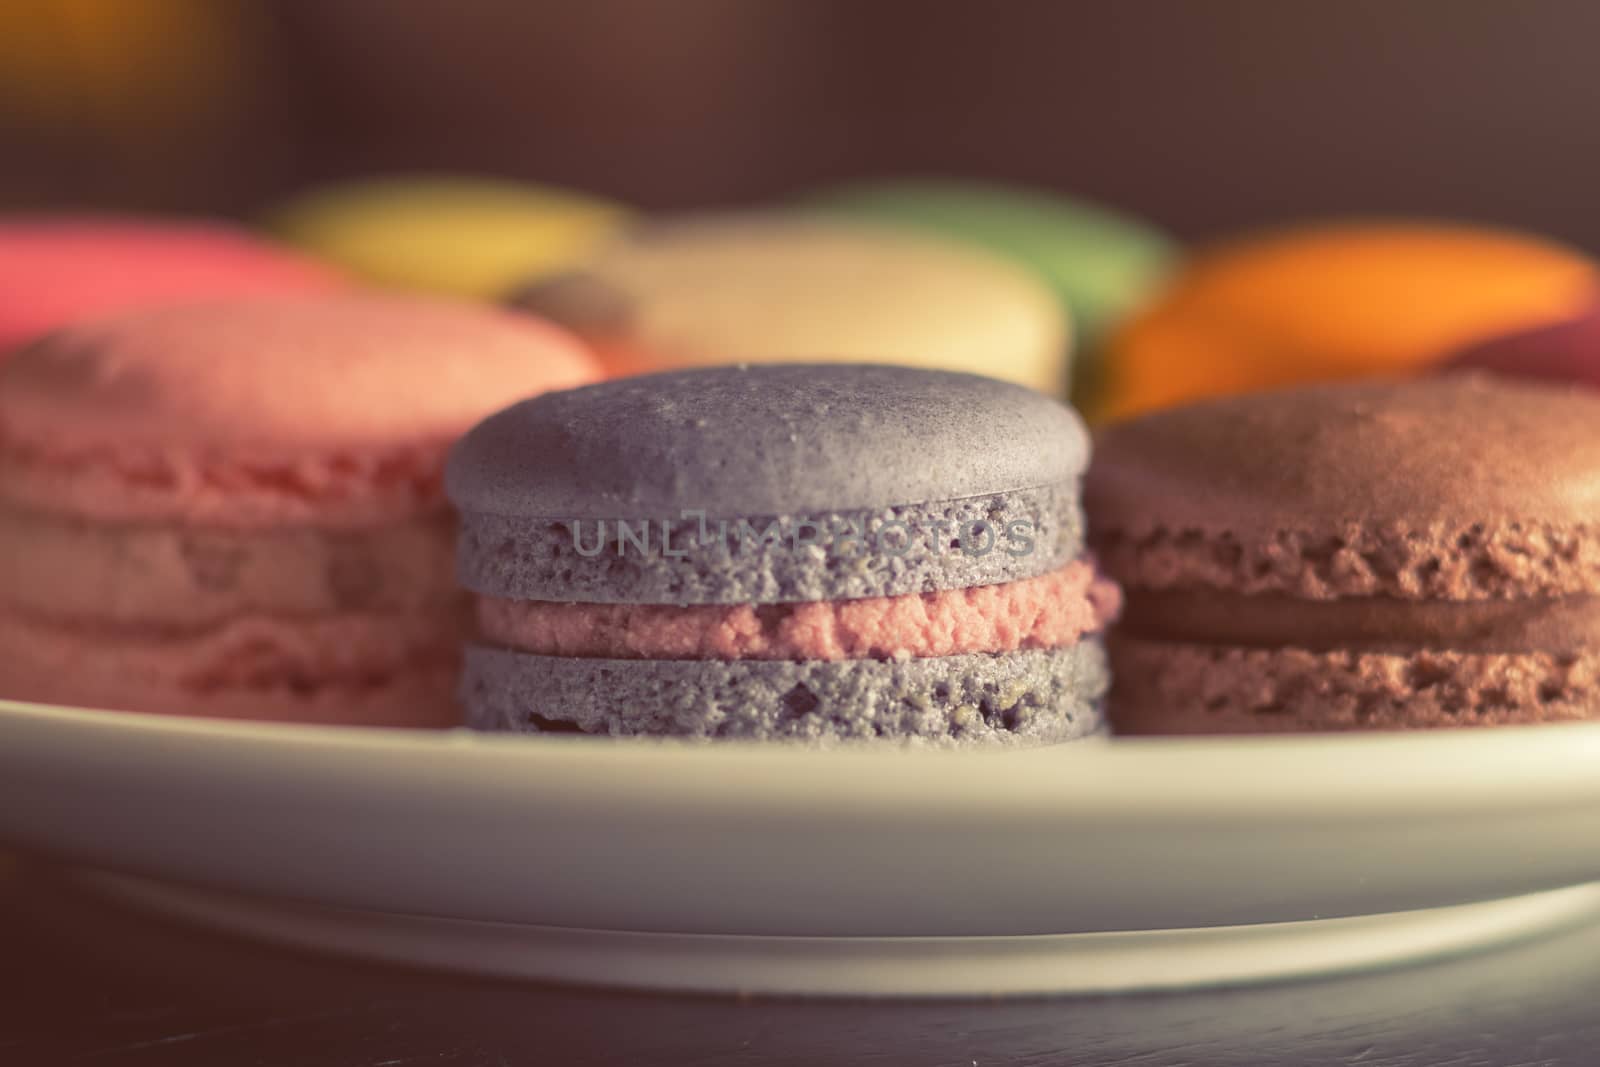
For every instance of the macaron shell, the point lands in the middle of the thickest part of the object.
(765, 440)
(1032, 697)
(146, 573)
(57, 271)
(1175, 688)
(1455, 450)
(387, 681)
(762, 290)
(456, 236)
(773, 559)
(280, 375)
(1456, 557)
(1336, 301)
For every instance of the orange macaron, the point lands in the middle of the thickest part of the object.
(1335, 301)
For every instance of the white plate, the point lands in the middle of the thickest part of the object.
(774, 842)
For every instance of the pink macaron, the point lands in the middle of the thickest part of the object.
(1567, 351)
(235, 508)
(57, 270)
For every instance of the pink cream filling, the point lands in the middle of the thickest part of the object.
(1052, 610)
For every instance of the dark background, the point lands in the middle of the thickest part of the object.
(1206, 115)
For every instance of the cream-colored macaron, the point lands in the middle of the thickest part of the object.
(765, 289)
(473, 237)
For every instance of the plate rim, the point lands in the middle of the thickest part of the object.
(1296, 776)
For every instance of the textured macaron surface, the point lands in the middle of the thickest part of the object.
(1334, 302)
(289, 372)
(1458, 453)
(769, 289)
(1175, 688)
(181, 575)
(1023, 698)
(756, 440)
(378, 671)
(56, 271)
(1404, 554)
(901, 480)
(286, 404)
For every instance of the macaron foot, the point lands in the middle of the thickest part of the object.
(1170, 688)
(1025, 697)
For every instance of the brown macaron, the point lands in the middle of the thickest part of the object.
(1380, 555)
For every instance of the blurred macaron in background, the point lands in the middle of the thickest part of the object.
(1566, 351)
(455, 235)
(1101, 263)
(59, 269)
(776, 287)
(481, 151)
(1332, 301)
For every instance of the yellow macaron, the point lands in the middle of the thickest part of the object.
(471, 237)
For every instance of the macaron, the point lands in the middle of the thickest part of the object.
(59, 270)
(781, 288)
(235, 508)
(818, 553)
(457, 236)
(1374, 555)
(1101, 264)
(1336, 301)
(1567, 351)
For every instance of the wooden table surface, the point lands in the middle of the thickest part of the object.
(85, 982)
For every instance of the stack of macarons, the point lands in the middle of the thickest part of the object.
(811, 552)
(1352, 556)
(234, 508)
